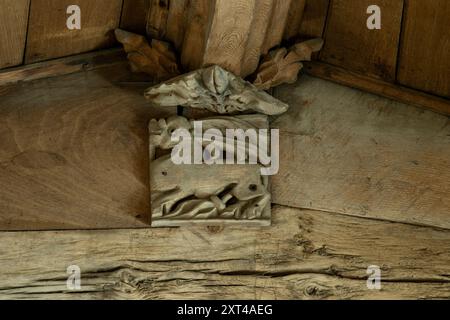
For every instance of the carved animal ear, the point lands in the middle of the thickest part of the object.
(154, 127)
(162, 124)
(178, 122)
(215, 79)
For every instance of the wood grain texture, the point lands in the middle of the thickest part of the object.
(195, 36)
(294, 20)
(257, 36)
(231, 33)
(355, 153)
(228, 36)
(314, 18)
(176, 22)
(380, 87)
(134, 15)
(13, 29)
(351, 45)
(425, 50)
(277, 24)
(74, 152)
(48, 36)
(304, 255)
(157, 19)
(62, 66)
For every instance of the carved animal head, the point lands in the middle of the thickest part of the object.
(161, 131)
(215, 79)
(164, 175)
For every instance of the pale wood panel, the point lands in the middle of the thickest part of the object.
(351, 152)
(229, 34)
(257, 36)
(134, 15)
(73, 152)
(351, 45)
(304, 255)
(13, 29)
(48, 36)
(425, 50)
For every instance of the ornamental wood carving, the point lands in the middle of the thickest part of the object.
(216, 90)
(156, 58)
(204, 193)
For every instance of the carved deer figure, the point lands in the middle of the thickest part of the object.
(172, 183)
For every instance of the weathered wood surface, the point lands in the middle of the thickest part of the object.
(380, 87)
(74, 152)
(351, 45)
(314, 18)
(48, 36)
(351, 152)
(13, 29)
(62, 66)
(425, 50)
(134, 15)
(230, 33)
(304, 255)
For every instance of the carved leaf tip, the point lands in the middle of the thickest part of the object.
(282, 65)
(156, 59)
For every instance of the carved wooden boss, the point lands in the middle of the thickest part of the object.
(212, 36)
(203, 192)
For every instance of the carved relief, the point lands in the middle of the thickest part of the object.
(156, 58)
(204, 193)
(216, 90)
(283, 65)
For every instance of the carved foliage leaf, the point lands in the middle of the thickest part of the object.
(283, 65)
(156, 59)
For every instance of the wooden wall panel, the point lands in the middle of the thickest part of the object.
(347, 151)
(314, 18)
(134, 15)
(74, 152)
(49, 37)
(425, 49)
(13, 28)
(294, 19)
(351, 45)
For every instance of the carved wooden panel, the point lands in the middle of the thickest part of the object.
(205, 192)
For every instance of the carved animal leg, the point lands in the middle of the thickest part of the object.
(164, 201)
(255, 207)
(218, 203)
